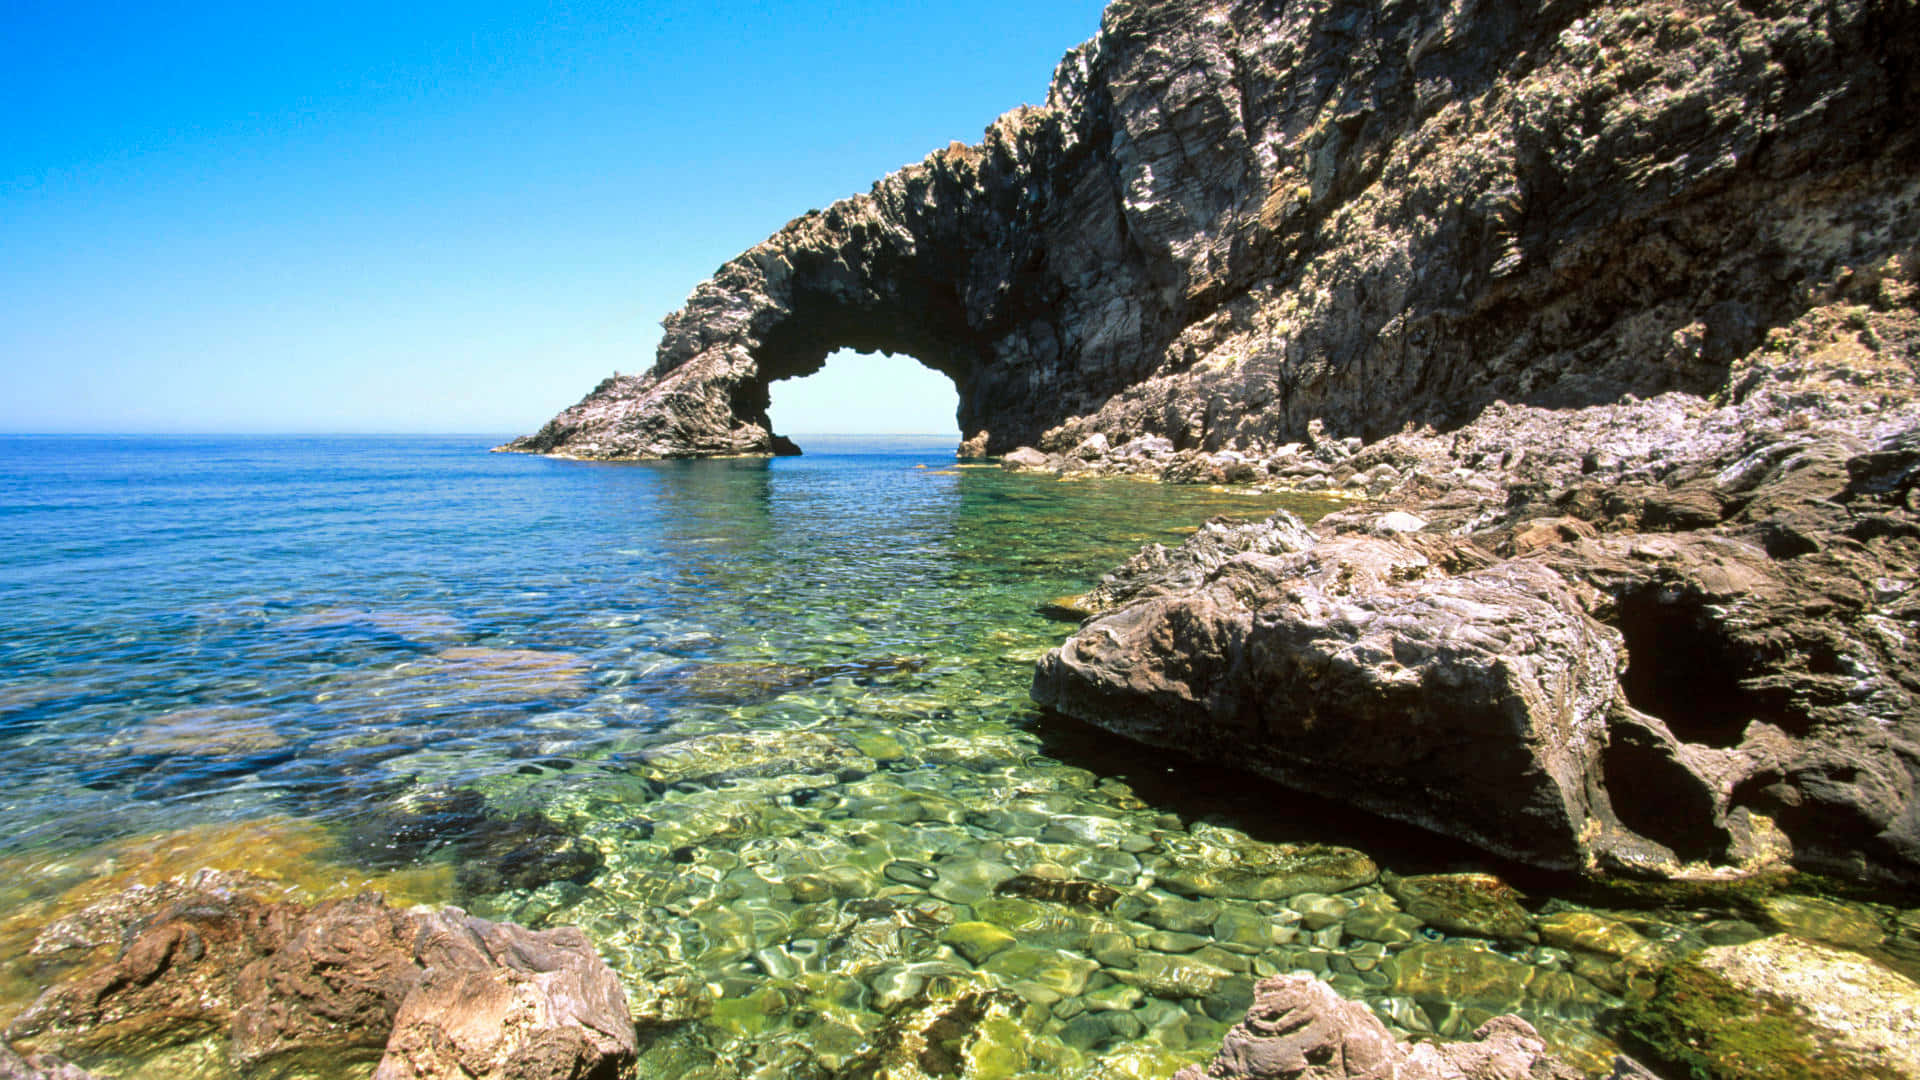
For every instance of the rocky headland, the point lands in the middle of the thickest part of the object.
(1230, 220)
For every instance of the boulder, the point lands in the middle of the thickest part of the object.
(1026, 458)
(1361, 670)
(1477, 905)
(495, 1001)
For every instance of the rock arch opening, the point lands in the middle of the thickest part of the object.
(865, 393)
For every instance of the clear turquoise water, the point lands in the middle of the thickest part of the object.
(760, 727)
(310, 578)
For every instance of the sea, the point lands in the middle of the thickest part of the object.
(759, 727)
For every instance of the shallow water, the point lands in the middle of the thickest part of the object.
(760, 727)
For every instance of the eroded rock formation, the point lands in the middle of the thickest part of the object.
(1229, 220)
(1664, 637)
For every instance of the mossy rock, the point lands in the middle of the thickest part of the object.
(1700, 1023)
(1835, 922)
(1063, 973)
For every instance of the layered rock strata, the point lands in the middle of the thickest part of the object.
(295, 990)
(1670, 637)
(1230, 220)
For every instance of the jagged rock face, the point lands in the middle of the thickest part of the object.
(1230, 219)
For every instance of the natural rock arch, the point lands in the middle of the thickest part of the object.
(866, 391)
(1229, 221)
(927, 265)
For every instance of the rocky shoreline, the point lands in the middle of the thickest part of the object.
(1656, 638)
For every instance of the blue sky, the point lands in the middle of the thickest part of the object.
(435, 216)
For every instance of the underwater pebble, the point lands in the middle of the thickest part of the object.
(1117, 997)
(908, 872)
(1318, 911)
(977, 940)
(1167, 941)
(1240, 929)
(1181, 915)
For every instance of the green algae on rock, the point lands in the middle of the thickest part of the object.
(1779, 1009)
(1478, 905)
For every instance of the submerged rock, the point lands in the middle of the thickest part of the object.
(1590, 932)
(1299, 1029)
(737, 682)
(1086, 894)
(490, 851)
(205, 731)
(1173, 977)
(468, 677)
(1217, 862)
(1454, 974)
(970, 1031)
(506, 675)
(1828, 921)
(709, 759)
(1477, 905)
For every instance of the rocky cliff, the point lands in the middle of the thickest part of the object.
(1231, 219)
